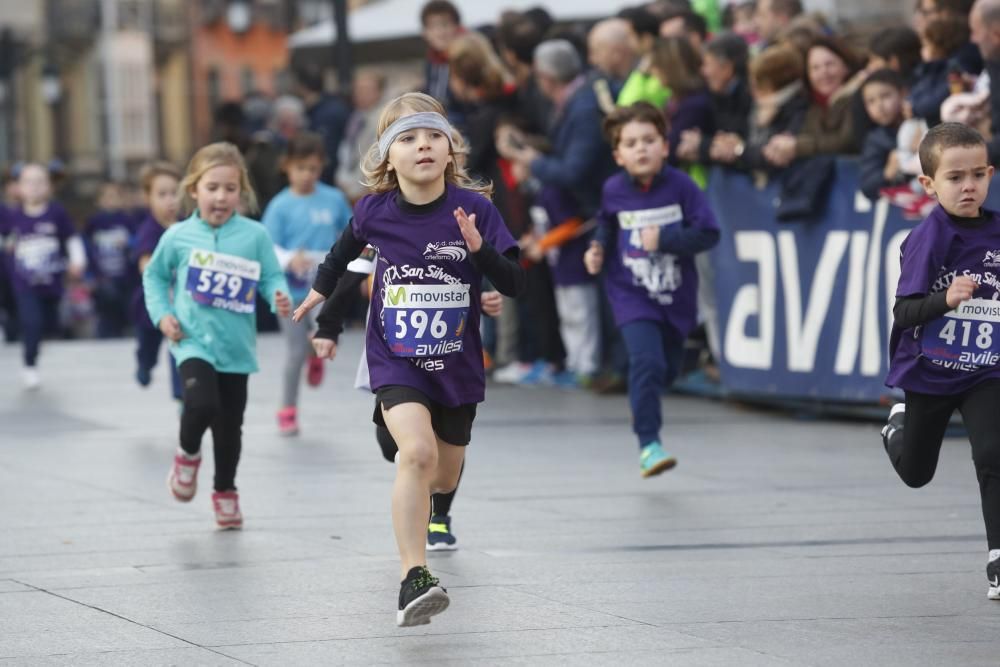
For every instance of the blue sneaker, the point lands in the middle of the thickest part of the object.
(143, 376)
(540, 374)
(439, 537)
(653, 460)
(566, 380)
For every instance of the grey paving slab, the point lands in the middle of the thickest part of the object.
(605, 643)
(186, 657)
(38, 624)
(776, 541)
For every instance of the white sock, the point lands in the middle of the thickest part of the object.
(189, 457)
(896, 409)
(994, 554)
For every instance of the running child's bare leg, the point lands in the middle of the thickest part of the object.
(410, 426)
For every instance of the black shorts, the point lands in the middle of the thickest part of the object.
(453, 425)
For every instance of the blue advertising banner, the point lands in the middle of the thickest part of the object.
(805, 308)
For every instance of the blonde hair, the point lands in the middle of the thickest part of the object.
(379, 178)
(219, 154)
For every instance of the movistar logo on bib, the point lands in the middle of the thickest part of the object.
(650, 217)
(986, 310)
(424, 296)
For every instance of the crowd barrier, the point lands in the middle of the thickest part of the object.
(805, 308)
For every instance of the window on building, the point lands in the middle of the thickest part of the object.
(248, 80)
(213, 88)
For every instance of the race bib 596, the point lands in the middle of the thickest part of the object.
(425, 320)
(223, 281)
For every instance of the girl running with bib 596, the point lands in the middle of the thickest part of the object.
(437, 234)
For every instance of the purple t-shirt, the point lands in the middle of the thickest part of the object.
(107, 236)
(146, 237)
(424, 326)
(957, 351)
(143, 243)
(6, 246)
(645, 285)
(39, 249)
(552, 208)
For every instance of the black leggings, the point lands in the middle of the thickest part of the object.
(217, 401)
(925, 421)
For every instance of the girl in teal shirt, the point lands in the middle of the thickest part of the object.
(215, 262)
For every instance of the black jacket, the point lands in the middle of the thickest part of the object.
(731, 111)
(788, 119)
(879, 143)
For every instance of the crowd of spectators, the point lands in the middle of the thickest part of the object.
(762, 87)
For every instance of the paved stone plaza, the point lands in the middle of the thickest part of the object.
(776, 541)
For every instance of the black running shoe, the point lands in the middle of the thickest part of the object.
(993, 576)
(420, 597)
(892, 432)
(439, 535)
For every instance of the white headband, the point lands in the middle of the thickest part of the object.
(424, 119)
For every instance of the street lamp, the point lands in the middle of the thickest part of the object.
(239, 16)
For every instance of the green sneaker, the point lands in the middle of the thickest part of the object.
(653, 460)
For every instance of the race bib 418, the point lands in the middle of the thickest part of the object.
(967, 337)
(223, 281)
(425, 320)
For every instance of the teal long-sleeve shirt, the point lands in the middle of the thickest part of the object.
(216, 274)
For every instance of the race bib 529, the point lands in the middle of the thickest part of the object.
(425, 320)
(223, 281)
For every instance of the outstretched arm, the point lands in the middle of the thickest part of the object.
(346, 249)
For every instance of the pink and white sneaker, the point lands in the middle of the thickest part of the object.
(183, 478)
(288, 421)
(227, 510)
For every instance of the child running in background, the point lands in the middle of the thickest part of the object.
(437, 235)
(106, 236)
(304, 219)
(160, 182)
(216, 261)
(945, 342)
(653, 221)
(45, 250)
(330, 323)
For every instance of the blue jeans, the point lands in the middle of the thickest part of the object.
(655, 351)
(146, 354)
(38, 316)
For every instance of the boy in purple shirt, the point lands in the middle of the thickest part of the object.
(45, 249)
(106, 236)
(437, 235)
(944, 346)
(653, 221)
(160, 182)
